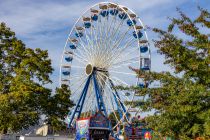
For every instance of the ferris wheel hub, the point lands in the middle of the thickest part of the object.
(89, 69)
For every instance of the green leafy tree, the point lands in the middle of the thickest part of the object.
(182, 101)
(57, 107)
(23, 74)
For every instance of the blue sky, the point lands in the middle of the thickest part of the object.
(46, 23)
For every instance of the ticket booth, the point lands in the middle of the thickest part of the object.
(96, 127)
(133, 132)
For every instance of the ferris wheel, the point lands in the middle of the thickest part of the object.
(104, 42)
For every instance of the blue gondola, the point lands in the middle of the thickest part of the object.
(66, 73)
(68, 58)
(72, 46)
(79, 34)
(87, 24)
(104, 13)
(130, 23)
(145, 68)
(140, 34)
(123, 16)
(144, 49)
(114, 12)
(143, 84)
(94, 17)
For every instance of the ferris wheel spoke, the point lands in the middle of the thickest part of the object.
(113, 33)
(126, 61)
(96, 37)
(109, 37)
(78, 52)
(102, 36)
(132, 51)
(101, 32)
(118, 42)
(88, 101)
(79, 67)
(91, 41)
(90, 44)
(119, 49)
(121, 65)
(81, 42)
(96, 29)
(126, 73)
(126, 55)
(79, 76)
(114, 79)
(119, 101)
(121, 38)
(118, 52)
(124, 97)
(81, 56)
(109, 27)
(119, 80)
(83, 61)
(121, 35)
(81, 80)
(120, 60)
(75, 96)
(82, 50)
(107, 85)
(104, 29)
(77, 89)
(108, 97)
(111, 103)
(111, 90)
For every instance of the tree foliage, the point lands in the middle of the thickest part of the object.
(23, 96)
(182, 101)
(57, 107)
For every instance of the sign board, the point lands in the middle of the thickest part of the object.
(99, 120)
(82, 129)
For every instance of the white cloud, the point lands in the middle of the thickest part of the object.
(46, 24)
(25, 17)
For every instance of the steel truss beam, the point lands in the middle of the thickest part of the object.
(118, 102)
(99, 98)
(80, 103)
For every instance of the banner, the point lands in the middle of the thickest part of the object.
(82, 129)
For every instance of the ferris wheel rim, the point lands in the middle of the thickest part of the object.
(88, 9)
(120, 6)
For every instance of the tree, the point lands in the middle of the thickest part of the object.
(182, 101)
(23, 73)
(57, 107)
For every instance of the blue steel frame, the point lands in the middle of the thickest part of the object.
(99, 98)
(118, 102)
(80, 103)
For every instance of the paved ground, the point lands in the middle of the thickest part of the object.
(16, 137)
